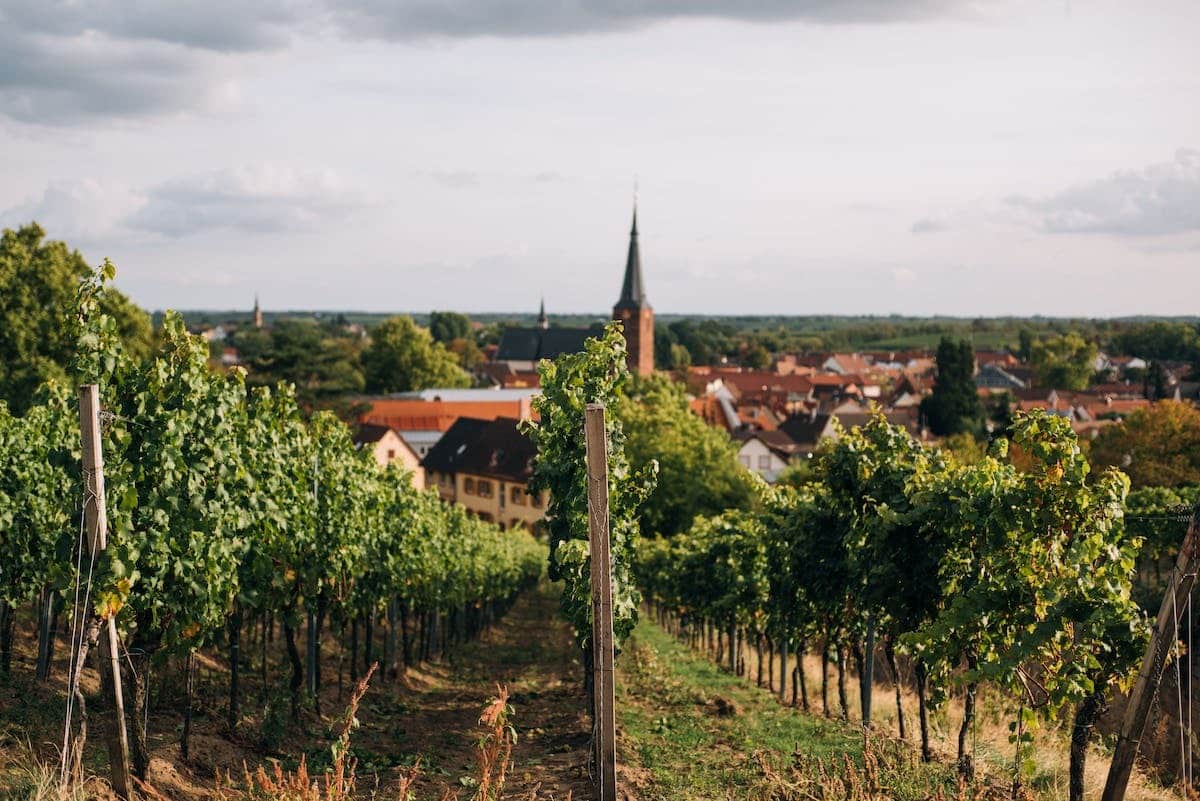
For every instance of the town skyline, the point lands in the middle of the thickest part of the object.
(794, 157)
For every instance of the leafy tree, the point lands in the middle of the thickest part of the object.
(1025, 339)
(1063, 362)
(466, 351)
(1157, 447)
(447, 326)
(698, 470)
(1154, 381)
(319, 360)
(403, 356)
(757, 357)
(796, 474)
(707, 341)
(1159, 339)
(38, 281)
(954, 406)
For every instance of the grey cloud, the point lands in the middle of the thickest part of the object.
(69, 61)
(467, 18)
(261, 198)
(928, 225)
(66, 62)
(219, 25)
(1161, 199)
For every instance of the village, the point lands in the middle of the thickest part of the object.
(466, 442)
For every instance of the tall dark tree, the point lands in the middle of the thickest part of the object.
(448, 326)
(318, 359)
(954, 406)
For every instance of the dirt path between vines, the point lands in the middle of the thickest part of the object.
(428, 716)
(532, 653)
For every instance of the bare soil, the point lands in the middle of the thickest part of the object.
(428, 716)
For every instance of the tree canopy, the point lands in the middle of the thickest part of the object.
(446, 326)
(38, 281)
(1066, 361)
(403, 356)
(954, 406)
(317, 358)
(698, 470)
(1157, 447)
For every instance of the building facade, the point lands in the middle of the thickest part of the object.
(485, 467)
(389, 447)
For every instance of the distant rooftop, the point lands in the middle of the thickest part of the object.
(459, 395)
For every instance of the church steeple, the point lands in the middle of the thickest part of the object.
(634, 311)
(543, 322)
(633, 291)
(258, 317)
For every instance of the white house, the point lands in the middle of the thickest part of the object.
(767, 452)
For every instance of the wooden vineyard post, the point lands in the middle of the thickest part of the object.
(602, 620)
(95, 513)
(1183, 578)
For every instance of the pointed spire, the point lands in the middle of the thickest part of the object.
(543, 321)
(633, 292)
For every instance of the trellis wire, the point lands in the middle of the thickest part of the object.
(77, 630)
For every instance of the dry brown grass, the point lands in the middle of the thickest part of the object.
(1047, 761)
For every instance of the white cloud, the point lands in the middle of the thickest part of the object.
(254, 198)
(1161, 199)
(83, 211)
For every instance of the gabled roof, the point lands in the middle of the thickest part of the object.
(492, 448)
(777, 442)
(370, 432)
(532, 344)
(805, 429)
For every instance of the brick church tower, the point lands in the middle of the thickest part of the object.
(634, 311)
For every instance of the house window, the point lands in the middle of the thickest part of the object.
(485, 488)
(502, 496)
(392, 455)
(764, 462)
(469, 486)
(517, 496)
(535, 500)
(745, 460)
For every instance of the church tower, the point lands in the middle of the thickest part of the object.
(634, 311)
(258, 319)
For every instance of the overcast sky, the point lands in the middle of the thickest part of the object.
(792, 156)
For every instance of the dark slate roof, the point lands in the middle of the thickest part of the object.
(633, 291)
(804, 428)
(369, 432)
(493, 448)
(778, 442)
(531, 344)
